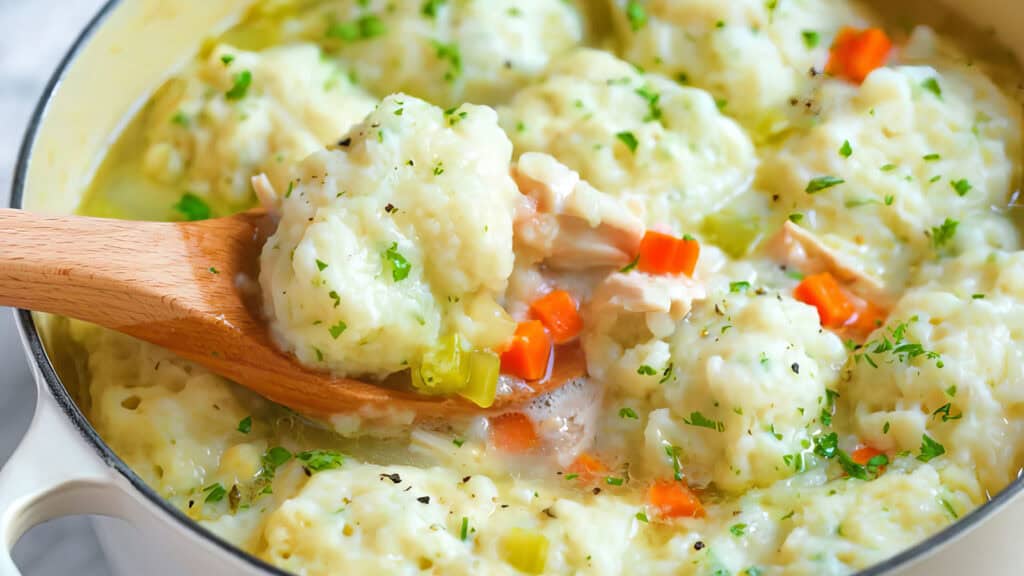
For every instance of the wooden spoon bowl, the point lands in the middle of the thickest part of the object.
(191, 287)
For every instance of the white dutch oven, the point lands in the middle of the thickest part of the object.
(63, 467)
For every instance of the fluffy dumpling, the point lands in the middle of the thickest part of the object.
(400, 236)
(959, 379)
(753, 55)
(634, 136)
(445, 52)
(238, 113)
(888, 167)
(744, 388)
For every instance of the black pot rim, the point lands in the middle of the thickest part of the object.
(81, 423)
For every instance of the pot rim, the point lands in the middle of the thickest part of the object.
(38, 355)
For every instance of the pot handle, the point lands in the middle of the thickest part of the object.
(52, 473)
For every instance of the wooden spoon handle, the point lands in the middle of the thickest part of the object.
(109, 272)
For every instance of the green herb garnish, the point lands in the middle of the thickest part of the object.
(822, 183)
(320, 460)
(930, 449)
(698, 419)
(242, 81)
(193, 207)
(400, 267)
(628, 139)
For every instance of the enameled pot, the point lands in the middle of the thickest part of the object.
(63, 467)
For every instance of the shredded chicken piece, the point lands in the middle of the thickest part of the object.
(797, 248)
(568, 223)
(265, 193)
(663, 299)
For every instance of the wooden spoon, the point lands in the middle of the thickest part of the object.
(192, 288)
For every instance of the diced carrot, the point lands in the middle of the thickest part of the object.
(856, 53)
(513, 432)
(673, 499)
(866, 318)
(527, 355)
(559, 313)
(587, 466)
(665, 254)
(863, 454)
(824, 293)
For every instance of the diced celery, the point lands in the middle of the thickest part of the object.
(443, 370)
(733, 233)
(484, 367)
(525, 550)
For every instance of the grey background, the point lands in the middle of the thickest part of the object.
(36, 33)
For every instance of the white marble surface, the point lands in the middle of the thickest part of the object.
(36, 33)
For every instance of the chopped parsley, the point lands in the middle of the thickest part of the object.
(334, 296)
(213, 270)
(930, 449)
(275, 458)
(794, 461)
(822, 183)
(943, 234)
(646, 370)
(628, 139)
(628, 413)
(438, 168)
(636, 15)
(362, 28)
(613, 481)
(740, 286)
(245, 425)
(320, 460)
(932, 85)
(962, 186)
(868, 471)
(451, 54)
(458, 442)
(337, 329)
(888, 168)
(894, 343)
(978, 296)
(846, 150)
(949, 508)
(180, 119)
(738, 530)
(193, 207)
(944, 411)
(400, 267)
(698, 419)
(464, 530)
(430, 7)
(319, 354)
(827, 445)
(885, 427)
(572, 476)
(673, 453)
(631, 265)
(227, 59)
(795, 217)
(642, 516)
(240, 88)
(931, 157)
(666, 375)
(811, 39)
(653, 109)
(321, 265)
(214, 493)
